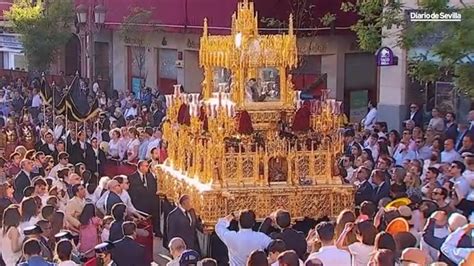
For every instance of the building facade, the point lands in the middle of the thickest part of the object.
(396, 89)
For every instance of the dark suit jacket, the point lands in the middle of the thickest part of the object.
(45, 149)
(452, 131)
(21, 182)
(128, 252)
(417, 118)
(78, 155)
(95, 163)
(111, 200)
(363, 193)
(382, 191)
(116, 232)
(180, 226)
(143, 197)
(294, 240)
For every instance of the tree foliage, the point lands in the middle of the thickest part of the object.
(44, 28)
(131, 31)
(304, 21)
(450, 45)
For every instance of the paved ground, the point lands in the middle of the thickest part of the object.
(157, 250)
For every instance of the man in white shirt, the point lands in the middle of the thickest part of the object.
(449, 154)
(450, 249)
(371, 117)
(329, 254)
(461, 185)
(240, 244)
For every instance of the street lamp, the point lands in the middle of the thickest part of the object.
(90, 20)
(99, 12)
(81, 11)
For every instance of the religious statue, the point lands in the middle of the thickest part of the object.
(278, 169)
(253, 92)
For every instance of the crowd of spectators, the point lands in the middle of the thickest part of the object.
(87, 192)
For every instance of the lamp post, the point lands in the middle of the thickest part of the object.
(90, 19)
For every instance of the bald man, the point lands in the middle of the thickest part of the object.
(113, 197)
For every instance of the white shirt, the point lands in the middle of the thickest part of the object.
(370, 119)
(450, 249)
(360, 253)
(58, 131)
(36, 101)
(333, 256)
(461, 186)
(431, 252)
(450, 156)
(131, 112)
(240, 244)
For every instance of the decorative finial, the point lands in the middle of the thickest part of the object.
(205, 27)
(42, 74)
(290, 25)
(77, 72)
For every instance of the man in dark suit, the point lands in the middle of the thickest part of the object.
(119, 212)
(365, 190)
(48, 147)
(415, 115)
(294, 240)
(127, 251)
(79, 149)
(23, 179)
(183, 223)
(451, 130)
(382, 189)
(143, 193)
(95, 158)
(112, 197)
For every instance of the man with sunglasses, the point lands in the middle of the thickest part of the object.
(415, 115)
(461, 185)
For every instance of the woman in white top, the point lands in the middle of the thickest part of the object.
(11, 239)
(437, 122)
(115, 145)
(133, 146)
(365, 234)
(29, 213)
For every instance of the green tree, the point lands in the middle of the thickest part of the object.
(449, 57)
(132, 33)
(45, 27)
(303, 18)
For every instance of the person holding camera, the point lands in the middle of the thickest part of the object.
(241, 243)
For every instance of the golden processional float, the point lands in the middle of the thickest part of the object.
(236, 147)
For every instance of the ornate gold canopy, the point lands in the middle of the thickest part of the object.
(225, 170)
(244, 52)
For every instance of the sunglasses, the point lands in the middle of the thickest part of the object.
(436, 193)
